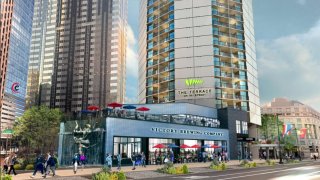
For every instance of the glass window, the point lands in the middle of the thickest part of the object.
(171, 55)
(244, 127)
(171, 35)
(150, 45)
(150, 36)
(238, 126)
(150, 54)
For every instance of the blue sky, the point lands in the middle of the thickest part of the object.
(287, 44)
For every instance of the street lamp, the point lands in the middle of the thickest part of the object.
(280, 153)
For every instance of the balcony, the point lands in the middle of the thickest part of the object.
(226, 44)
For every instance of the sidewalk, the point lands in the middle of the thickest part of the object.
(89, 171)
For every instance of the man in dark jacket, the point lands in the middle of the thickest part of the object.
(51, 164)
(38, 165)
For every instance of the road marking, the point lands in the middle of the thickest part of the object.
(193, 177)
(298, 177)
(256, 174)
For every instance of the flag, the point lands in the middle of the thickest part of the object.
(302, 133)
(286, 129)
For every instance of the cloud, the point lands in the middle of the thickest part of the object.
(289, 67)
(302, 2)
(131, 67)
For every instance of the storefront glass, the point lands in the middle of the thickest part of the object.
(126, 146)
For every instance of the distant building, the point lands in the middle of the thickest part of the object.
(300, 116)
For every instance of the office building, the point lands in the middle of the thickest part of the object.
(300, 116)
(89, 62)
(42, 52)
(200, 52)
(16, 17)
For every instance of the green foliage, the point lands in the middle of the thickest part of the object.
(6, 177)
(29, 167)
(244, 162)
(219, 167)
(106, 174)
(185, 169)
(254, 164)
(168, 168)
(268, 128)
(17, 167)
(270, 163)
(215, 162)
(38, 128)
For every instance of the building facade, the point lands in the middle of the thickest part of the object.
(17, 19)
(199, 51)
(89, 62)
(42, 52)
(299, 116)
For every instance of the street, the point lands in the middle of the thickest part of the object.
(309, 171)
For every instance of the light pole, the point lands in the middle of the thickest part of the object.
(280, 154)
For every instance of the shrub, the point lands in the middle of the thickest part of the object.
(248, 165)
(165, 168)
(101, 176)
(6, 177)
(172, 170)
(185, 169)
(268, 162)
(121, 176)
(244, 162)
(29, 167)
(17, 167)
(254, 164)
(220, 167)
(223, 166)
(215, 162)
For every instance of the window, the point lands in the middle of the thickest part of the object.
(238, 126)
(150, 36)
(244, 127)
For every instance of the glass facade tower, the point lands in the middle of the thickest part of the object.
(13, 103)
(199, 51)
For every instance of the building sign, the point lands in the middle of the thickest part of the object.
(248, 139)
(15, 87)
(193, 82)
(195, 92)
(185, 131)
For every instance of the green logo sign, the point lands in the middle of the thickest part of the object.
(193, 82)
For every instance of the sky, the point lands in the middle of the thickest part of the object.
(287, 36)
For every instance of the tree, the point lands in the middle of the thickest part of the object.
(38, 128)
(289, 142)
(268, 128)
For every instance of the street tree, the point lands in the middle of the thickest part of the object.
(268, 128)
(37, 130)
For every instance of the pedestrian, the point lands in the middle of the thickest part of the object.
(143, 159)
(38, 165)
(265, 155)
(315, 157)
(119, 158)
(239, 156)
(75, 162)
(133, 159)
(109, 161)
(46, 160)
(6, 164)
(12, 162)
(250, 156)
(82, 160)
(50, 165)
(226, 156)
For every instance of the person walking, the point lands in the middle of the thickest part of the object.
(143, 159)
(133, 159)
(82, 160)
(38, 165)
(51, 165)
(75, 162)
(6, 164)
(119, 158)
(109, 160)
(12, 162)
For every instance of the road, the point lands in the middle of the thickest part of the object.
(307, 171)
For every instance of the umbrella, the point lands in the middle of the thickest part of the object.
(172, 146)
(160, 146)
(114, 105)
(206, 146)
(196, 146)
(93, 108)
(7, 131)
(215, 146)
(86, 111)
(184, 146)
(143, 109)
(129, 107)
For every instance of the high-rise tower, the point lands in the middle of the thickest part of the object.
(199, 51)
(16, 26)
(42, 52)
(83, 62)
